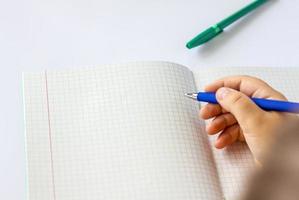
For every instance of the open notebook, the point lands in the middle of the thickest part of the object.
(128, 132)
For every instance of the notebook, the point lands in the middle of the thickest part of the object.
(127, 132)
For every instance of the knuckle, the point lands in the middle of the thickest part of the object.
(253, 78)
(258, 79)
(247, 76)
(280, 95)
(224, 120)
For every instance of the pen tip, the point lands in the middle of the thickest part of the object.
(191, 95)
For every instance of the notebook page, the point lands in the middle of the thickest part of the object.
(39, 181)
(235, 163)
(122, 132)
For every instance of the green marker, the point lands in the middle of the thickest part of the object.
(215, 30)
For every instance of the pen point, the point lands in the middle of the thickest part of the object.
(191, 95)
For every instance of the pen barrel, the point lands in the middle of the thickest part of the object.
(208, 97)
(265, 104)
(276, 105)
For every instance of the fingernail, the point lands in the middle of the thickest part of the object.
(222, 93)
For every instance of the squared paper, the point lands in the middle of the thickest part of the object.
(39, 176)
(117, 132)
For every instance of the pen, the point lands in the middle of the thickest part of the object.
(215, 30)
(265, 104)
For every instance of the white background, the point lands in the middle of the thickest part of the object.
(39, 34)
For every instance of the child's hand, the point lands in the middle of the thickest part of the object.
(238, 118)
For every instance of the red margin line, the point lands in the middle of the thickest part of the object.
(50, 135)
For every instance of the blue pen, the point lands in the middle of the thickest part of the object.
(265, 104)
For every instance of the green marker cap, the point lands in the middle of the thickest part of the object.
(205, 36)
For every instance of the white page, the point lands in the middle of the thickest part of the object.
(117, 132)
(39, 181)
(235, 163)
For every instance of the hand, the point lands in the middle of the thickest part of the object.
(238, 118)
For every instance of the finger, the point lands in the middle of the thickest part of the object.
(220, 123)
(210, 110)
(246, 112)
(248, 85)
(228, 136)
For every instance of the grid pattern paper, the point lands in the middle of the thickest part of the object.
(235, 163)
(39, 171)
(117, 132)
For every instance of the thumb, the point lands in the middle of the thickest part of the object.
(246, 112)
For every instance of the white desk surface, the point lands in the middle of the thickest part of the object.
(71, 33)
